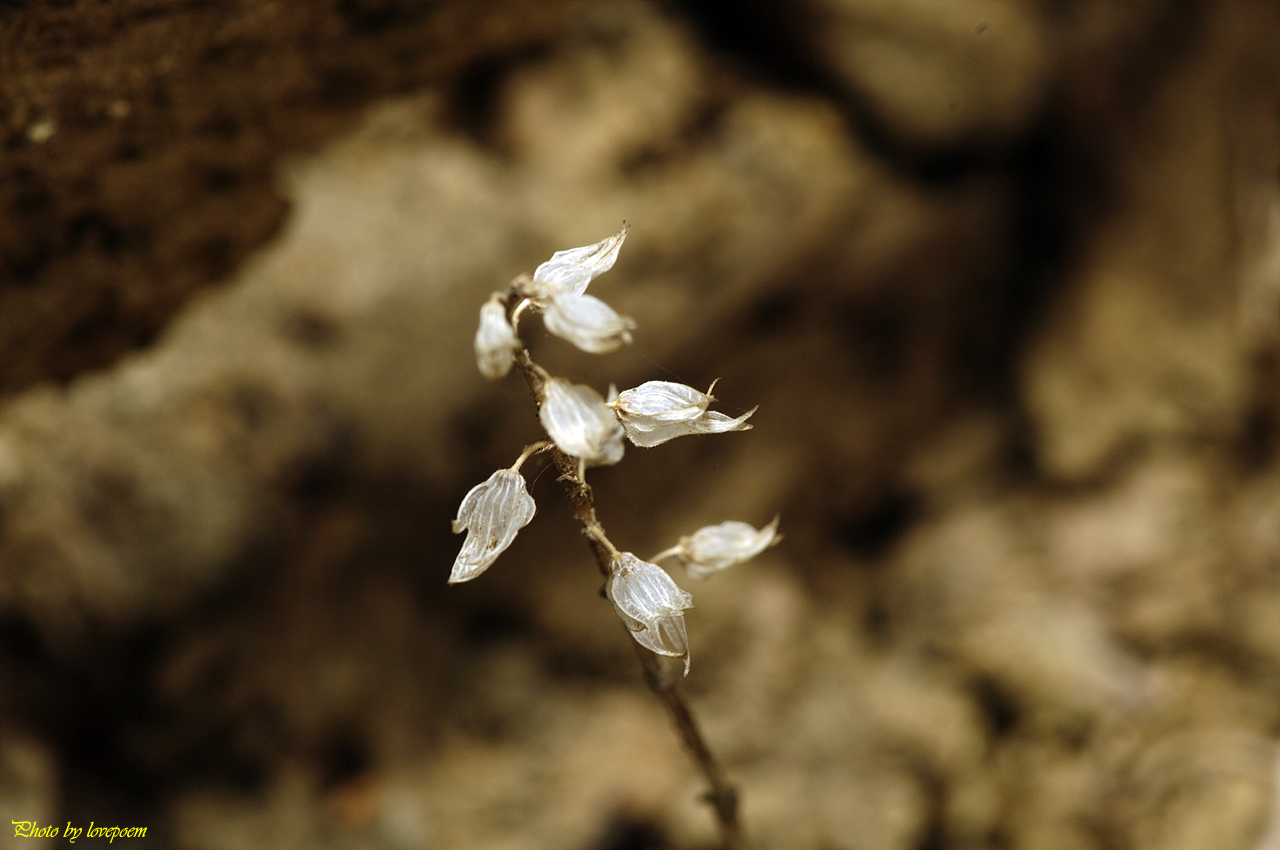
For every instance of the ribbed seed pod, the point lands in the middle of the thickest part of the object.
(495, 340)
(651, 605)
(718, 547)
(657, 411)
(580, 423)
(491, 514)
(568, 272)
(587, 322)
(656, 402)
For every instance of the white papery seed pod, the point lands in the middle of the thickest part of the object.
(651, 605)
(495, 340)
(718, 547)
(568, 272)
(491, 514)
(587, 322)
(658, 402)
(580, 423)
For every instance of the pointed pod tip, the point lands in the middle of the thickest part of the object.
(464, 573)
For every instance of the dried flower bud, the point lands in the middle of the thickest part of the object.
(580, 423)
(718, 547)
(587, 322)
(651, 606)
(657, 411)
(491, 514)
(568, 272)
(495, 340)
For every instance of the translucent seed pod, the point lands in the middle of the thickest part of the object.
(495, 342)
(568, 272)
(491, 514)
(718, 547)
(587, 322)
(658, 402)
(651, 605)
(581, 424)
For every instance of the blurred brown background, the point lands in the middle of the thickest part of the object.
(1002, 275)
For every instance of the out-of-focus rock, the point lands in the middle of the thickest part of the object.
(939, 74)
(1271, 834)
(1145, 348)
(1208, 788)
(1145, 521)
(978, 591)
(28, 790)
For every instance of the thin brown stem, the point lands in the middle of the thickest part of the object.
(664, 554)
(580, 496)
(722, 796)
(530, 451)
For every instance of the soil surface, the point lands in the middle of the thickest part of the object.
(141, 142)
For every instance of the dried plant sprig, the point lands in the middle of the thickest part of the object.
(557, 289)
(586, 429)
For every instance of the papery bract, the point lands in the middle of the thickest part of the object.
(648, 434)
(651, 605)
(491, 514)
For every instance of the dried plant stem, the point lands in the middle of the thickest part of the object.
(722, 796)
